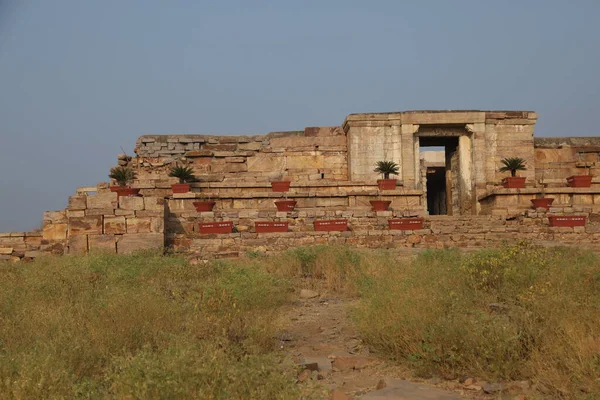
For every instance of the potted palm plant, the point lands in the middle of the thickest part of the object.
(123, 176)
(513, 164)
(185, 175)
(386, 168)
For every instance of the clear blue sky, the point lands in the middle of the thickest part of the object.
(79, 79)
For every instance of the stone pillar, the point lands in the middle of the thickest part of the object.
(410, 168)
(465, 160)
(481, 168)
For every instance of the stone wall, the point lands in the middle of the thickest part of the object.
(101, 222)
(15, 246)
(371, 231)
(313, 155)
(560, 157)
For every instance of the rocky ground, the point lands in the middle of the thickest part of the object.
(319, 335)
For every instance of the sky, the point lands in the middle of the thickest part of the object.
(81, 79)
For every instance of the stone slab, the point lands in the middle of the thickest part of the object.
(131, 203)
(114, 225)
(85, 225)
(77, 203)
(102, 200)
(78, 244)
(103, 243)
(398, 389)
(54, 232)
(131, 242)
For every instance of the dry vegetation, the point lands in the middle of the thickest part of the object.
(148, 326)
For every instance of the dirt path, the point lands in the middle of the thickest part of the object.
(319, 334)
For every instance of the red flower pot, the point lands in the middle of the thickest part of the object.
(514, 182)
(124, 191)
(386, 184)
(204, 206)
(285, 205)
(216, 227)
(380, 205)
(181, 187)
(544, 202)
(270, 226)
(331, 225)
(567, 220)
(281, 186)
(580, 181)
(405, 224)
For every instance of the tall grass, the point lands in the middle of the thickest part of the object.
(140, 326)
(516, 313)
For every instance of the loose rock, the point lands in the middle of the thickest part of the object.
(308, 294)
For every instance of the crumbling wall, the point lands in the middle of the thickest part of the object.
(561, 157)
(312, 155)
(101, 222)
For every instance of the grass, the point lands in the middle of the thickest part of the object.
(150, 326)
(141, 326)
(515, 313)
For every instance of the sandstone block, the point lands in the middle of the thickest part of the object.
(6, 250)
(54, 232)
(124, 213)
(78, 244)
(131, 203)
(114, 225)
(99, 211)
(105, 243)
(75, 214)
(55, 216)
(229, 167)
(140, 241)
(263, 163)
(154, 203)
(85, 225)
(102, 200)
(139, 225)
(251, 146)
(77, 203)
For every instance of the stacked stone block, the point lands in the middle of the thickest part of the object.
(312, 155)
(101, 222)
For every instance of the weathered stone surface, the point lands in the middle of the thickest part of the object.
(75, 213)
(131, 203)
(399, 389)
(102, 200)
(85, 225)
(77, 203)
(353, 362)
(6, 250)
(103, 243)
(308, 294)
(78, 244)
(55, 217)
(139, 225)
(114, 225)
(54, 232)
(272, 164)
(139, 241)
(154, 203)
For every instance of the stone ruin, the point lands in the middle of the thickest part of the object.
(448, 175)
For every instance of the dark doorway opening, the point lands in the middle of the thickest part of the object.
(440, 182)
(436, 191)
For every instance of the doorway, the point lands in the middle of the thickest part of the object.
(438, 160)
